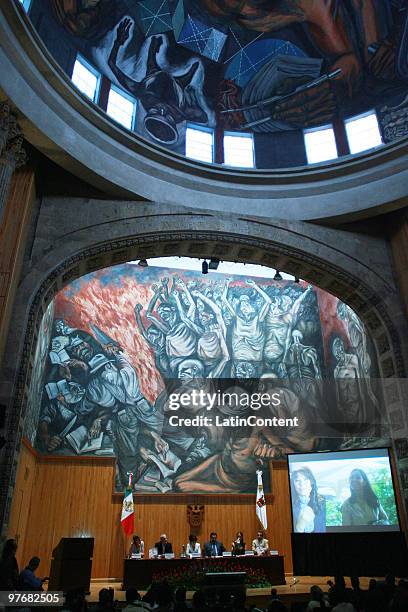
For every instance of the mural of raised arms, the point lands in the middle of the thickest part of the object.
(280, 320)
(248, 335)
(116, 337)
(180, 332)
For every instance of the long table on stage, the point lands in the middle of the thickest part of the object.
(140, 573)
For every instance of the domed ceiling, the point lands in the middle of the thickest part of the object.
(271, 67)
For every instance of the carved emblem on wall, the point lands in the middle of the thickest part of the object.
(195, 515)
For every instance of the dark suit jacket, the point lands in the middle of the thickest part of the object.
(168, 548)
(208, 548)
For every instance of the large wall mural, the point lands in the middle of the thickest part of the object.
(119, 335)
(257, 65)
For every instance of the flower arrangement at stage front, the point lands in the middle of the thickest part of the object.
(192, 577)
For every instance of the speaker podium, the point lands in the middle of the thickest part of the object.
(71, 565)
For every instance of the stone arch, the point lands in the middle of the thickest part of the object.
(313, 254)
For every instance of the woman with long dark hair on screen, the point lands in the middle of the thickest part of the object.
(363, 506)
(309, 508)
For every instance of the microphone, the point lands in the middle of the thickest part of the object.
(294, 581)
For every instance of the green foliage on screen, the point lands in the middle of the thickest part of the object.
(382, 486)
(333, 513)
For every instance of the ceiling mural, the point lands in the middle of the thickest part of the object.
(115, 340)
(263, 66)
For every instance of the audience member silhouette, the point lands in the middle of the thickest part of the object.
(9, 574)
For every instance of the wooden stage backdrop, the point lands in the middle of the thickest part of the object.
(57, 497)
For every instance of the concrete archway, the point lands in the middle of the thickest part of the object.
(106, 234)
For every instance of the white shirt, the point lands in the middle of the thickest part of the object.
(260, 547)
(190, 549)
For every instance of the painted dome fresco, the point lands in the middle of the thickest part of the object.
(268, 69)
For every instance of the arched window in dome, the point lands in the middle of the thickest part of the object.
(363, 132)
(200, 143)
(239, 150)
(86, 78)
(320, 144)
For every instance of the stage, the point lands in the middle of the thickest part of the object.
(289, 593)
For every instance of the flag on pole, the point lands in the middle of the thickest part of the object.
(260, 502)
(128, 509)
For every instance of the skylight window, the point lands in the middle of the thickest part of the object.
(320, 144)
(363, 132)
(26, 4)
(239, 150)
(121, 107)
(200, 144)
(86, 78)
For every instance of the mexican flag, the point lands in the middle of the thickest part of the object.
(260, 502)
(128, 510)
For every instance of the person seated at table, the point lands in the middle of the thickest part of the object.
(238, 545)
(260, 545)
(137, 546)
(213, 548)
(163, 547)
(193, 547)
(28, 581)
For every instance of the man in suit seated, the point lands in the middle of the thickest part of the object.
(213, 548)
(163, 547)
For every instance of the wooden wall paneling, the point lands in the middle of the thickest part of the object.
(72, 497)
(13, 232)
(20, 517)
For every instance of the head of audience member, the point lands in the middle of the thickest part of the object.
(164, 595)
(339, 582)
(355, 582)
(372, 585)
(150, 595)
(344, 606)
(33, 563)
(316, 593)
(105, 599)
(132, 595)
(75, 601)
(274, 593)
(9, 549)
(390, 580)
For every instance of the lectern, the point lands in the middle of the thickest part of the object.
(71, 565)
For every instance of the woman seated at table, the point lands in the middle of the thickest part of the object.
(137, 546)
(238, 545)
(193, 547)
